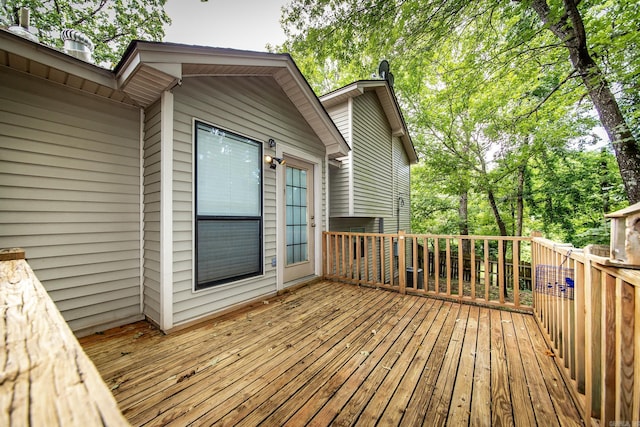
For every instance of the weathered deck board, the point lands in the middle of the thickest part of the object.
(332, 353)
(45, 377)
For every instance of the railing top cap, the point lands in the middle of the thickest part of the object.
(11, 254)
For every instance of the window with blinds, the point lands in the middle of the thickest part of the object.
(228, 207)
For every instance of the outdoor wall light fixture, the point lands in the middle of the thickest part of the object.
(274, 161)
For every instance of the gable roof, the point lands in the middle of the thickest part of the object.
(149, 68)
(389, 103)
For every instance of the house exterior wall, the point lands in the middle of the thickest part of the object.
(341, 116)
(340, 195)
(254, 107)
(151, 181)
(381, 172)
(381, 175)
(340, 178)
(401, 189)
(70, 196)
(372, 158)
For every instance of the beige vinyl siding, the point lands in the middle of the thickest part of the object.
(339, 194)
(370, 225)
(372, 158)
(340, 116)
(401, 188)
(254, 107)
(151, 180)
(70, 195)
(402, 184)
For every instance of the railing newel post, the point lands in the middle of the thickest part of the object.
(402, 270)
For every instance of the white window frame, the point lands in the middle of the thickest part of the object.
(226, 217)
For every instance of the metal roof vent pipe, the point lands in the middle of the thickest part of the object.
(23, 29)
(77, 44)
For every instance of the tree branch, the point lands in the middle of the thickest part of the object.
(92, 14)
(571, 75)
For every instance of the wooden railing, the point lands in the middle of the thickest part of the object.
(588, 307)
(431, 265)
(46, 379)
(590, 311)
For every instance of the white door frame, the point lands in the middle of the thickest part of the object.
(284, 151)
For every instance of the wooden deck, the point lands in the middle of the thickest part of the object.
(332, 353)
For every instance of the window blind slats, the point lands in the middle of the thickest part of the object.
(228, 207)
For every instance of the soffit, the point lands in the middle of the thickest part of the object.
(57, 67)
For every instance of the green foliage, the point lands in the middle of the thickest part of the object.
(111, 24)
(490, 97)
(569, 192)
(614, 40)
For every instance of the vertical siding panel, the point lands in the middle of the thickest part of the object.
(151, 179)
(70, 191)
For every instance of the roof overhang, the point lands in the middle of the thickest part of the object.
(149, 68)
(44, 62)
(389, 103)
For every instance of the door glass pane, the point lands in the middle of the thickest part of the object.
(297, 209)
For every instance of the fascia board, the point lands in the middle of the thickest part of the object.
(55, 59)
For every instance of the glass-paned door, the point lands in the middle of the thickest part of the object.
(299, 219)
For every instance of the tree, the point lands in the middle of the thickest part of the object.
(111, 24)
(354, 31)
(568, 26)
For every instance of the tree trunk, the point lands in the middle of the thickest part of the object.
(570, 30)
(496, 213)
(463, 213)
(463, 225)
(501, 226)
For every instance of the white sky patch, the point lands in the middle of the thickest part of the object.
(237, 24)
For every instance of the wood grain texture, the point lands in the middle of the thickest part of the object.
(336, 354)
(46, 378)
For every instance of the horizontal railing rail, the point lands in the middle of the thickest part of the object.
(45, 376)
(431, 265)
(591, 314)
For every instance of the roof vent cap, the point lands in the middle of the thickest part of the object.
(77, 44)
(23, 29)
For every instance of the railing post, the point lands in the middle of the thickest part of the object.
(580, 311)
(460, 267)
(402, 256)
(448, 259)
(325, 255)
(515, 262)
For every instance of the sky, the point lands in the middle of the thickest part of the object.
(237, 24)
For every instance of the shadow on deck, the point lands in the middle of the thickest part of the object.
(342, 354)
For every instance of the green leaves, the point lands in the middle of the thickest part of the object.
(489, 95)
(111, 24)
